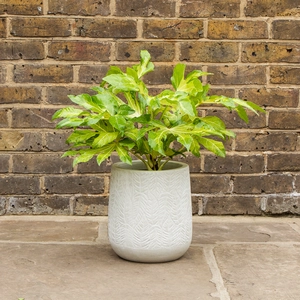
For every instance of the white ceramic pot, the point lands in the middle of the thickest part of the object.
(149, 212)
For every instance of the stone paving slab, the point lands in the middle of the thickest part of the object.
(260, 272)
(87, 272)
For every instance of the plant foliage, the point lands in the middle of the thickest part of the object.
(122, 117)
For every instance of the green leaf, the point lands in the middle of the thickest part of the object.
(105, 152)
(187, 107)
(123, 154)
(186, 140)
(67, 112)
(104, 138)
(80, 136)
(125, 110)
(70, 123)
(145, 66)
(214, 146)
(118, 122)
(242, 113)
(196, 74)
(122, 82)
(86, 101)
(85, 156)
(178, 75)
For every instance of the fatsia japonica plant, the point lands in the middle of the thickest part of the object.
(122, 117)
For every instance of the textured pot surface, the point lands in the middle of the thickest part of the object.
(150, 217)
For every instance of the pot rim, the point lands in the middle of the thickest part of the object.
(138, 166)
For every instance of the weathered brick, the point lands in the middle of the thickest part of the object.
(21, 50)
(145, 8)
(59, 94)
(130, 51)
(232, 120)
(41, 163)
(239, 75)
(210, 184)
(20, 141)
(4, 162)
(92, 74)
(40, 27)
(222, 91)
(2, 27)
(270, 52)
(213, 8)
(22, 7)
(75, 50)
(19, 185)
(237, 29)
(172, 29)
(2, 206)
(193, 162)
(56, 141)
(106, 28)
(232, 205)
(38, 205)
(91, 206)
(271, 8)
(74, 184)
(278, 205)
(43, 73)
(284, 74)
(3, 118)
(286, 30)
(81, 8)
(2, 74)
(196, 205)
(266, 141)
(92, 166)
(160, 75)
(277, 97)
(284, 119)
(297, 183)
(283, 162)
(32, 118)
(217, 52)
(10, 94)
(243, 164)
(274, 183)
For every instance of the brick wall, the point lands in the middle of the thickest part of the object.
(51, 48)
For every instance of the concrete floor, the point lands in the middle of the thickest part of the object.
(69, 258)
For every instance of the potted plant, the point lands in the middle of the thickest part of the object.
(149, 214)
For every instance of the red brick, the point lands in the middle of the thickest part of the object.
(232, 205)
(270, 53)
(41, 163)
(274, 183)
(284, 119)
(59, 94)
(19, 185)
(210, 184)
(277, 97)
(242, 164)
(22, 7)
(4, 161)
(160, 51)
(3, 118)
(92, 74)
(74, 184)
(75, 50)
(145, 8)
(285, 74)
(286, 29)
(40, 27)
(237, 30)
(232, 120)
(81, 8)
(213, 8)
(271, 8)
(16, 140)
(2, 27)
(43, 73)
(32, 118)
(172, 29)
(283, 162)
(91, 206)
(9, 94)
(266, 141)
(106, 28)
(237, 75)
(21, 50)
(217, 52)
